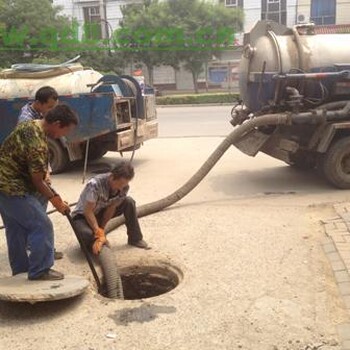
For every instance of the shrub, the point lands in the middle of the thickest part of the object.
(197, 99)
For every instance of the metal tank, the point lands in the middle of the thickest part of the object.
(67, 81)
(274, 54)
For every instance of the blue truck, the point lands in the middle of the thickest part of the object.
(115, 114)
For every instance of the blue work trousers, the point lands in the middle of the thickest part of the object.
(27, 227)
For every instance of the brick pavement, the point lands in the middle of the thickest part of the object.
(337, 247)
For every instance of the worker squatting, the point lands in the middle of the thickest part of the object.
(25, 190)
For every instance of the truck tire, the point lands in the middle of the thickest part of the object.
(58, 156)
(113, 282)
(336, 163)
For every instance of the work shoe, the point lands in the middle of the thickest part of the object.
(58, 255)
(140, 244)
(49, 275)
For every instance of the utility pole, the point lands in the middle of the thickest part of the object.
(103, 19)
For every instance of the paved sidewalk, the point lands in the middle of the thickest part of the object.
(337, 247)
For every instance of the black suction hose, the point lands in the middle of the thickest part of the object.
(113, 282)
(314, 117)
(233, 137)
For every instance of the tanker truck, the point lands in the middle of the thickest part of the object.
(305, 75)
(114, 113)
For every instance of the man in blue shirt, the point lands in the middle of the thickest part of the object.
(46, 98)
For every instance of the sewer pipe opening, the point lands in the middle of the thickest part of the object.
(147, 281)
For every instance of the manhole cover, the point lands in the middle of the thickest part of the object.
(19, 289)
(141, 282)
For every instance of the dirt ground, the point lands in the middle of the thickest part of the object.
(246, 243)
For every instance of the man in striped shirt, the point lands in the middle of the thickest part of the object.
(46, 98)
(105, 197)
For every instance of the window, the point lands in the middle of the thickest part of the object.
(323, 11)
(92, 22)
(230, 3)
(274, 10)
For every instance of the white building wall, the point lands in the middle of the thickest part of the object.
(291, 13)
(114, 13)
(74, 9)
(252, 13)
(304, 8)
(342, 10)
(164, 75)
(70, 8)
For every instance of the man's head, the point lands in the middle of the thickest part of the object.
(60, 121)
(46, 98)
(121, 175)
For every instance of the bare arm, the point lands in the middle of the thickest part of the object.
(108, 214)
(90, 215)
(41, 186)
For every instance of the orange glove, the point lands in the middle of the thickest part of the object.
(58, 203)
(100, 241)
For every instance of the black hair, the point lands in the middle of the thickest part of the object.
(45, 93)
(62, 113)
(123, 169)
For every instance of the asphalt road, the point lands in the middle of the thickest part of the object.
(194, 121)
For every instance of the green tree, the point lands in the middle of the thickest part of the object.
(29, 30)
(211, 26)
(138, 27)
(103, 62)
(194, 31)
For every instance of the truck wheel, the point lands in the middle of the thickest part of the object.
(336, 163)
(58, 157)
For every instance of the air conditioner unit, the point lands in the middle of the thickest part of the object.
(301, 18)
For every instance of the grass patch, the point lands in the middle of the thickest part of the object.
(197, 99)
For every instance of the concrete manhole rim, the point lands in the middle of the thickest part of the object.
(156, 265)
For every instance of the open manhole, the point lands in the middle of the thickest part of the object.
(141, 282)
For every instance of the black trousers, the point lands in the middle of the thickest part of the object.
(126, 208)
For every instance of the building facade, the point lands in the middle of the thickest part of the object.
(290, 12)
(106, 14)
(221, 72)
(281, 11)
(324, 12)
